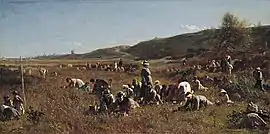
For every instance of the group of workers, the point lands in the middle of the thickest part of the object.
(12, 108)
(146, 92)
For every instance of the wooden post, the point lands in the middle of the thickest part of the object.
(22, 82)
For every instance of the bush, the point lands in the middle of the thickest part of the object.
(243, 85)
(34, 116)
(234, 119)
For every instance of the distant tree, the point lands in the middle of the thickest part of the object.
(234, 34)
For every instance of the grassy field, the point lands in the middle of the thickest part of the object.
(64, 108)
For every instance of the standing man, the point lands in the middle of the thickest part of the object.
(146, 79)
(257, 74)
(115, 66)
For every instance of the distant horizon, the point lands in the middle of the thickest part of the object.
(30, 28)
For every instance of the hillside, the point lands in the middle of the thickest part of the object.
(188, 43)
(105, 53)
(172, 46)
(176, 46)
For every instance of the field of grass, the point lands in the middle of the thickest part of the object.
(64, 108)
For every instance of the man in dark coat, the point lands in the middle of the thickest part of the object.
(146, 79)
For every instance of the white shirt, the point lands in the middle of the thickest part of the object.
(4, 107)
(77, 83)
(186, 86)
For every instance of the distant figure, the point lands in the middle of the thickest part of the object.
(229, 68)
(115, 68)
(228, 59)
(69, 65)
(120, 64)
(184, 61)
(212, 66)
(18, 102)
(225, 64)
(88, 66)
(43, 72)
(257, 74)
(54, 74)
(110, 83)
(72, 82)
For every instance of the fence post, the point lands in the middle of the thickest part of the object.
(22, 81)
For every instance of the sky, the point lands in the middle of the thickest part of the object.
(37, 27)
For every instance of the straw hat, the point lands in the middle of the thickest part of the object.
(258, 68)
(223, 91)
(157, 82)
(145, 63)
(125, 86)
(189, 95)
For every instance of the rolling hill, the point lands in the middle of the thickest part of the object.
(176, 46)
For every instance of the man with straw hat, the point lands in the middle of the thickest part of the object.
(146, 78)
(257, 74)
(253, 117)
(224, 98)
(158, 87)
(129, 91)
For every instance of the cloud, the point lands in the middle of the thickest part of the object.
(190, 27)
(193, 28)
